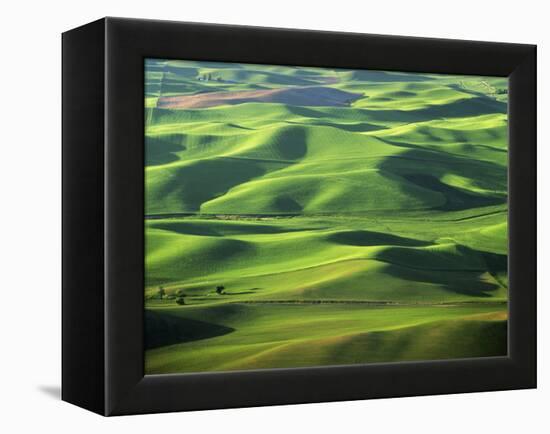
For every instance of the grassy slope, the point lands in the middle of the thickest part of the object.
(398, 198)
(269, 335)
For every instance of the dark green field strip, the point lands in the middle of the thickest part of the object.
(377, 303)
(170, 304)
(422, 215)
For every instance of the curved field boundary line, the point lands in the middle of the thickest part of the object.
(313, 215)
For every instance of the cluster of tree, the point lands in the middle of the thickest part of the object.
(208, 77)
(180, 295)
(180, 300)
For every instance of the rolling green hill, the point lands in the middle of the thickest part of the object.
(351, 216)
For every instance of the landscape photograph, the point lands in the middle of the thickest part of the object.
(299, 216)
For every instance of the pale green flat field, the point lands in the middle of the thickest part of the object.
(352, 216)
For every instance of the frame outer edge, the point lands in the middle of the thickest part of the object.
(129, 393)
(82, 226)
(523, 159)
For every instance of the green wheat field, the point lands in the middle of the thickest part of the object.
(302, 216)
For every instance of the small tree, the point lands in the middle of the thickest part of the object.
(219, 289)
(180, 300)
(162, 292)
(180, 296)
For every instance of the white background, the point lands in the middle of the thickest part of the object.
(30, 183)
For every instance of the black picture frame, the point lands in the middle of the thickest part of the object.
(103, 209)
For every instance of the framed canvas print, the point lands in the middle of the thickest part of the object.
(263, 216)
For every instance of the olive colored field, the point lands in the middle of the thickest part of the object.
(350, 216)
